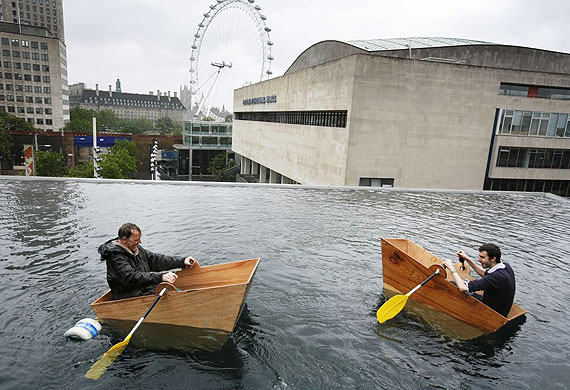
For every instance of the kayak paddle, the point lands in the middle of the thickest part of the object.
(395, 304)
(109, 357)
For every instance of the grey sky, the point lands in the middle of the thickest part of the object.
(147, 42)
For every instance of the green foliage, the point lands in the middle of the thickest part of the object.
(229, 118)
(107, 120)
(118, 165)
(82, 170)
(12, 122)
(165, 123)
(50, 164)
(218, 165)
(121, 163)
(79, 125)
(5, 139)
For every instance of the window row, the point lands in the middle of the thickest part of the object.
(31, 110)
(11, 98)
(533, 158)
(25, 66)
(35, 8)
(29, 23)
(133, 103)
(534, 91)
(27, 99)
(41, 2)
(24, 54)
(208, 141)
(544, 124)
(24, 43)
(309, 118)
(558, 187)
(27, 77)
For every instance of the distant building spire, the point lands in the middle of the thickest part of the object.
(118, 85)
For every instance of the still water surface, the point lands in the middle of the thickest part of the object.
(310, 320)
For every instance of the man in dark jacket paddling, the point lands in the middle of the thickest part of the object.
(132, 270)
(497, 279)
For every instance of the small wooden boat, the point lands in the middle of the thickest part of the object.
(207, 297)
(405, 264)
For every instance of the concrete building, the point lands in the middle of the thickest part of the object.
(39, 13)
(202, 141)
(128, 105)
(411, 113)
(33, 82)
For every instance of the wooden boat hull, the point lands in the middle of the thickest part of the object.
(208, 297)
(406, 264)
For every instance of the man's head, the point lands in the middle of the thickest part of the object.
(489, 255)
(130, 236)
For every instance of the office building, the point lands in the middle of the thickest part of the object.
(435, 113)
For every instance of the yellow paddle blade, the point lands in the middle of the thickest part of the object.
(391, 307)
(99, 367)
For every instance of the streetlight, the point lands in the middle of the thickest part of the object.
(153, 162)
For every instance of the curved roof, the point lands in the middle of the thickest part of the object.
(413, 43)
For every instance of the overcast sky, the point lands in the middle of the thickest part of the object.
(147, 42)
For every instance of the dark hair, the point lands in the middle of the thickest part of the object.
(127, 230)
(492, 251)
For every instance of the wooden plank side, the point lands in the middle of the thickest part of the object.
(403, 273)
(236, 272)
(214, 308)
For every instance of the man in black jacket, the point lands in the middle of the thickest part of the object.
(132, 270)
(497, 279)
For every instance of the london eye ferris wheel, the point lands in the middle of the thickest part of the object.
(231, 48)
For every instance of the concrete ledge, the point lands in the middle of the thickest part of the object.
(285, 186)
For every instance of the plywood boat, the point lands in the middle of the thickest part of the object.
(207, 297)
(406, 264)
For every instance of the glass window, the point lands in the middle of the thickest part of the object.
(517, 119)
(561, 125)
(552, 125)
(525, 126)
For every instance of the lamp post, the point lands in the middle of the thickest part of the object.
(153, 162)
(96, 151)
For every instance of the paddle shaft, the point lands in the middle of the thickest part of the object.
(422, 283)
(148, 311)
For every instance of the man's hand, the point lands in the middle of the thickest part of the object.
(462, 255)
(448, 264)
(190, 261)
(169, 277)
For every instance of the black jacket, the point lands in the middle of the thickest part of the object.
(131, 275)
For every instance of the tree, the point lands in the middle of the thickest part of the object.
(5, 139)
(82, 170)
(229, 118)
(166, 123)
(12, 122)
(121, 162)
(219, 165)
(50, 163)
(107, 120)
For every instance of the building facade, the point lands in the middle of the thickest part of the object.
(202, 141)
(128, 105)
(33, 63)
(412, 113)
(39, 13)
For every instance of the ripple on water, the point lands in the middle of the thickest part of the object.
(310, 319)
